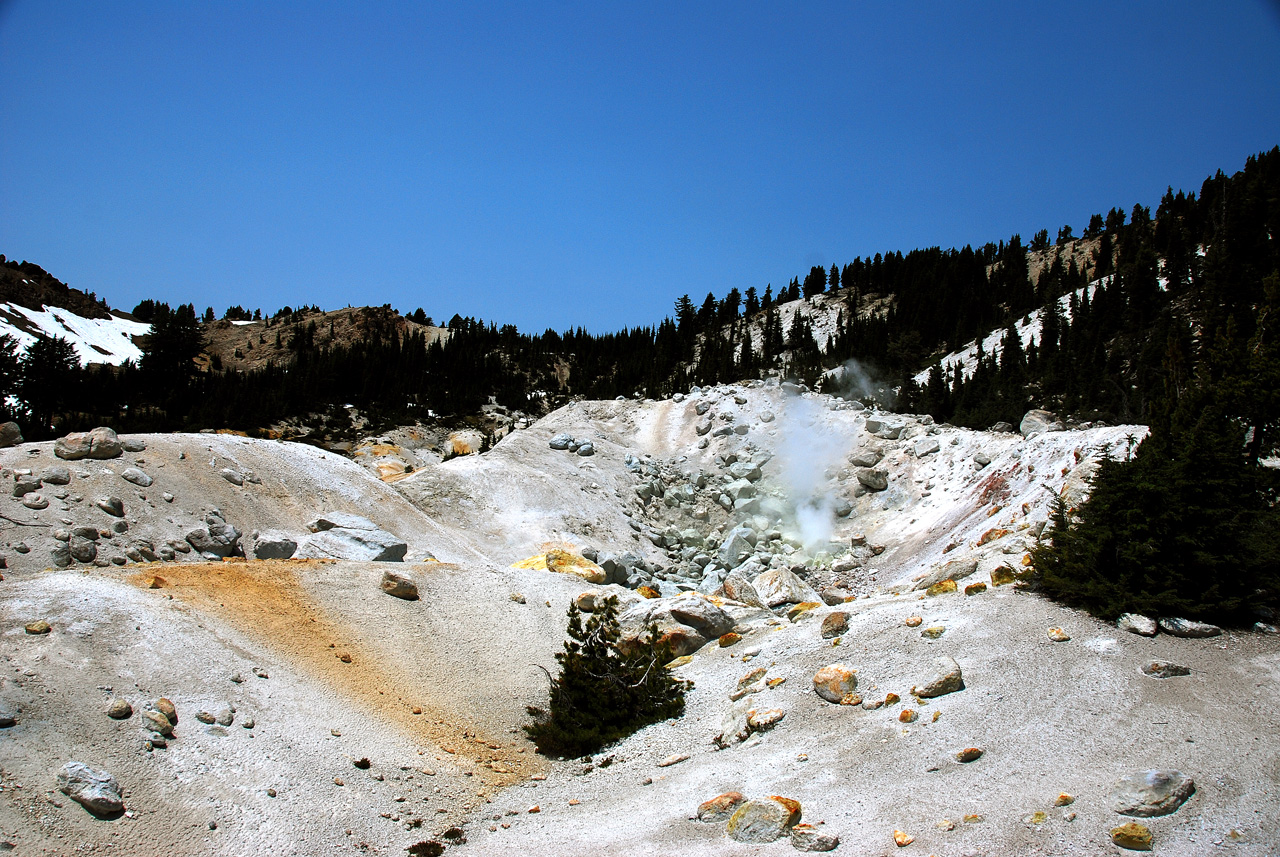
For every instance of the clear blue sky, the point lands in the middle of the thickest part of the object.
(549, 164)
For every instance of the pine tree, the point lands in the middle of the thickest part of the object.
(603, 695)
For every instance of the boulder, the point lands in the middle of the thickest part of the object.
(686, 623)
(137, 477)
(55, 475)
(119, 709)
(35, 501)
(347, 544)
(806, 837)
(1002, 427)
(217, 537)
(82, 549)
(133, 444)
(956, 569)
(865, 458)
(1038, 421)
(235, 477)
(564, 562)
(873, 480)
(836, 594)
(1133, 836)
(10, 435)
(23, 485)
(835, 683)
(721, 807)
(835, 624)
(1136, 623)
(925, 446)
(698, 613)
(735, 548)
(883, 428)
(587, 448)
(745, 470)
(561, 441)
(8, 715)
(737, 585)
(1146, 794)
(399, 585)
(780, 586)
(764, 820)
(345, 520)
(73, 447)
(946, 678)
(1187, 628)
(1164, 669)
(113, 506)
(273, 544)
(96, 791)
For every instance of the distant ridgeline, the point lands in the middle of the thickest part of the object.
(1165, 290)
(27, 284)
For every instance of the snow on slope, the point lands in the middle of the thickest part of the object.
(96, 340)
(1028, 328)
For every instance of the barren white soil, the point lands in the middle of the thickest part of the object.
(346, 666)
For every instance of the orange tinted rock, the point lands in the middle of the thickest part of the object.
(942, 587)
(834, 682)
(729, 639)
(907, 715)
(975, 588)
(1002, 575)
(969, 754)
(721, 807)
(991, 535)
(914, 621)
(835, 624)
(901, 839)
(1134, 836)
(647, 592)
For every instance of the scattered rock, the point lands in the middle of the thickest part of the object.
(925, 446)
(8, 715)
(914, 621)
(1164, 669)
(349, 543)
(204, 717)
(55, 475)
(721, 807)
(1038, 422)
(119, 709)
(780, 586)
(942, 587)
(1188, 628)
(273, 544)
(762, 721)
(739, 587)
(956, 569)
(38, 627)
(836, 594)
(167, 708)
(564, 562)
(806, 837)
(113, 506)
(836, 624)
(10, 435)
(764, 820)
(1058, 635)
(1147, 794)
(561, 441)
(235, 477)
(399, 585)
(835, 683)
(137, 477)
(673, 759)
(1133, 836)
(1003, 575)
(902, 839)
(945, 679)
(969, 754)
(933, 633)
(872, 480)
(975, 588)
(96, 791)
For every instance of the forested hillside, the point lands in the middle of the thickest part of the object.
(1168, 289)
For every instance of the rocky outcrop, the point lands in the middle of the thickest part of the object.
(780, 586)
(272, 544)
(764, 819)
(1038, 421)
(1147, 794)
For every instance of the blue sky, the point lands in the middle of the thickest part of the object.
(556, 165)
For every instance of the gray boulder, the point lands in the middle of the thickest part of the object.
(945, 678)
(925, 446)
(137, 477)
(96, 791)
(10, 435)
(25, 485)
(736, 547)
(35, 501)
(738, 586)
(133, 444)
(1002, 426)
(1187, 628)
(399, 586)
(235, 477)
(865, 458)
(587, 448)
(82, 549)
(561, 441)
(745, 470)
(883, 428)
(113, 506)
(1038, 421)
(874, 480)
(763, 820)
(217, 537)
(956, 569)
(73, 447)
(273, 544)
(1147, 794)
(55, 475)
(780, 586)
(1136, 623)
(359, 545)
(345, 520)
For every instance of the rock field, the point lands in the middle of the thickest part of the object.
(218, 645)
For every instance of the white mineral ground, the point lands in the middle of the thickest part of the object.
(1051, 717)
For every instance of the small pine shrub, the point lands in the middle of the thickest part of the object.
(601, 694)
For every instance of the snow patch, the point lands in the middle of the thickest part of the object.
(96, 340)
